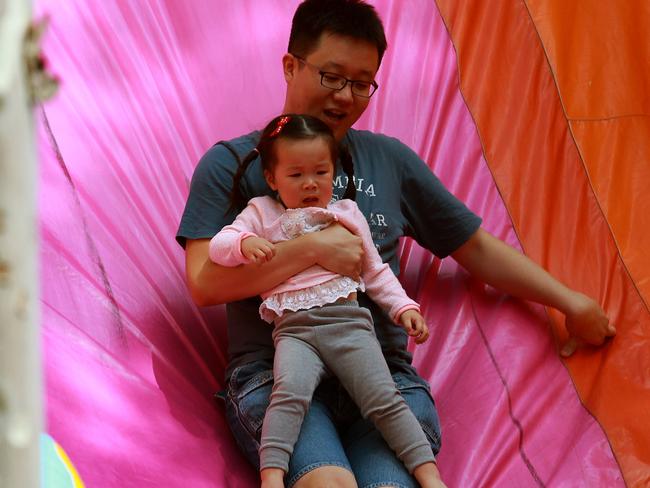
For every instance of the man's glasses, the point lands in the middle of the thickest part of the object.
(333, 81)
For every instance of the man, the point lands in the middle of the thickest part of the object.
(335, 50)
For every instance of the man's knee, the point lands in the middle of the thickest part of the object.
(419, 400)
(327, 477)
(246, 401)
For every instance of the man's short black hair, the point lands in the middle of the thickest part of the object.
(351, 18)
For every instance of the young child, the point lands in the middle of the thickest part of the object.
(319, 326)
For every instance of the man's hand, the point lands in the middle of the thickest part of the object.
(339, 250)
(257, 249)
(414, 325)
(586, 323)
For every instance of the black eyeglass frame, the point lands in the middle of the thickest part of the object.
(373, 84)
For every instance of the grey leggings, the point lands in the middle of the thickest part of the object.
(340, 339)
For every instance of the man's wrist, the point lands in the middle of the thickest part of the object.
(311, 247)
(304, 248)
(564, 300)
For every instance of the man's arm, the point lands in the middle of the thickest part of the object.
(499, 265)
(334, 248)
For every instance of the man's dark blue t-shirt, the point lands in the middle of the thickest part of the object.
(397, 193)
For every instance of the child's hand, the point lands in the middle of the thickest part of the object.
(257, 250)
(414, 325)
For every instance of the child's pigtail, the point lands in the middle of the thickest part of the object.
(237, 200)
(348, 168)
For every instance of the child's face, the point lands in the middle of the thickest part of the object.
(303, 172)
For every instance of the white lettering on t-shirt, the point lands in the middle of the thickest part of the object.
(377, 220)
(341, 182)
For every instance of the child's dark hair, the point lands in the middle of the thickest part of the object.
(350, 18)
(292, 127)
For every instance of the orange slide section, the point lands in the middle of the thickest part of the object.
(600, 56)
(559, 93)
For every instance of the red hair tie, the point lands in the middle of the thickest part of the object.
(281, 123)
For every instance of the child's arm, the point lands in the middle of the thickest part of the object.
(381, 284)
(227, 246)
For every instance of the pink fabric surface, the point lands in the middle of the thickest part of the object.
(132, 364)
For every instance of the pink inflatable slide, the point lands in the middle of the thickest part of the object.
(132, 364)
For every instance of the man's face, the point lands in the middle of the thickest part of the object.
(345, 56)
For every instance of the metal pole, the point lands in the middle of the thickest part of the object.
(21, 417)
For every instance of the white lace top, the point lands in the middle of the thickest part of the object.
(296, 222)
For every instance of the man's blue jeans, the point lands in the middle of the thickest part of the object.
(333, 432)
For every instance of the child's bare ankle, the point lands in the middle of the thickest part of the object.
(272, 478)
(428, 476)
